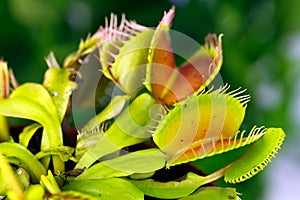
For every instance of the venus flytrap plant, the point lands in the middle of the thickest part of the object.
(201, 123)
(164, 107)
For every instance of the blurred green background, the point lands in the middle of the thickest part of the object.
(261, 46)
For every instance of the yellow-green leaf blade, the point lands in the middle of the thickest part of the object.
(172, 189)
(22, 157)
(32, 101)
(143, 161)
(213, 193)
(113, 188)
(57, 82)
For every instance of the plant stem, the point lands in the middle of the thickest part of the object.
(4, 130)
(216, 175)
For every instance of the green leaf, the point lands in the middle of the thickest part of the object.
(22, 157)
(130, 127)
(143, 161)
(9, 182)
(57, 82)
(72, 195)
(172, 189)
(34, 192)
(113, 188)
(213, 193)
(257, 156)
(27, 133)
(32, 101)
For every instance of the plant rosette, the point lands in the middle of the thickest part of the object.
(149, 114)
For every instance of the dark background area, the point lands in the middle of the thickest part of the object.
(261, 47)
